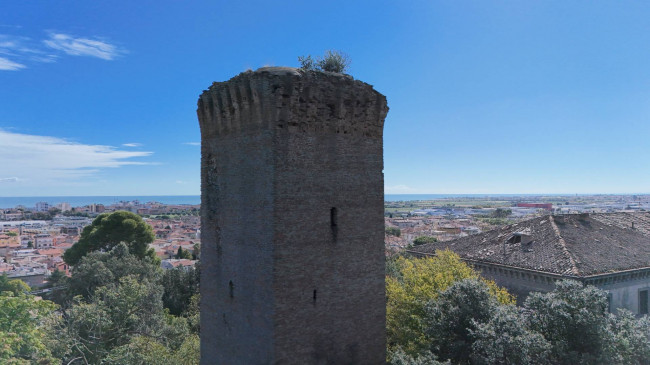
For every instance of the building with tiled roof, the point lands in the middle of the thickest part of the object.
(608, 250)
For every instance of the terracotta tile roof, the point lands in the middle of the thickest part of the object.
(577, 245)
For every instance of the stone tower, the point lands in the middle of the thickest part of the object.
(292, 219)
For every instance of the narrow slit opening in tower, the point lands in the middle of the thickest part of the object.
(231, 289)
(333, 217)
(314, 296)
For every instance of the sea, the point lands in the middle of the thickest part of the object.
(79, 201)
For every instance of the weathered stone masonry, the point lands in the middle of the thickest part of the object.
(292, 215)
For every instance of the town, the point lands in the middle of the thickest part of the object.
(33, 239)
(446, 219)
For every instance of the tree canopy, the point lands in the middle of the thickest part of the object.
(108, 230)
(22, 339)
(14, 286)
(412, 283)
(464, 324)
(424, 240)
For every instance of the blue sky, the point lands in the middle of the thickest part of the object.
(99, 98)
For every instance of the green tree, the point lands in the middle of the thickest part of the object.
(399, 357)
(393, 231)
(11, 234)
(452, 315)
(183, 254)
(507, 339)
(14, 286)
(413, 283)
(631, 337)
(58, 282)
(575, 320)
(501, 213)
(180, 286)
(99, 269)
(22, 339)
(196, 251)
(110, 318)
(424, 240)
(108, 230)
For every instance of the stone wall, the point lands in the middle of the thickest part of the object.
(292, 220)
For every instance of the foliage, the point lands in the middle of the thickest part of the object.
(147, 351)
(196, 252)
(99, 269)
(114, 313)
(451, 316)
(21, 336)
(11, 234)
(507, 339)
(424, 240)
(399, 357)
(111, 318)
(14, 286)
(73, 213)
(42, 216)
(631, 337)
(420, 280)
(393, 231)
(575, 320)
(332, 61)
(501, 213)
(180, 286)
(183, 254)
(107, 231)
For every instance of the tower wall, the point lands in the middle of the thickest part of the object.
(292, 219)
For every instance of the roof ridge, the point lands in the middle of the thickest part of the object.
(565, 250)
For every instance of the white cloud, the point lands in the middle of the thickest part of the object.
(8, 65)
(193, 143)
(8, 179)
(41, 158)
(17, 51)
(132, 144)
(82, 46)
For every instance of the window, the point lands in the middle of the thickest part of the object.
(643, 301)
(334, 220)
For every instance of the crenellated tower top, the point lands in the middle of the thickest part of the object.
(292, 99)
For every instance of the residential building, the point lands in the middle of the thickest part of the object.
(608, 250)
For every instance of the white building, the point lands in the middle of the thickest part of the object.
(42, 207)
(43, 241)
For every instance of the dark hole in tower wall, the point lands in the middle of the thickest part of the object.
(334, 223)
(231, 289)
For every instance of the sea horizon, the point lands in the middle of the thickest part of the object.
(78, 201)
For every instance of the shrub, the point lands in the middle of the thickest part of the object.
(332, 61)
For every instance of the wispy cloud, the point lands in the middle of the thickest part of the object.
(8, 179)
(42, 158)
(132, 144)
(17, 52)
(9, 65)
(193, 143)
(78, 46)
